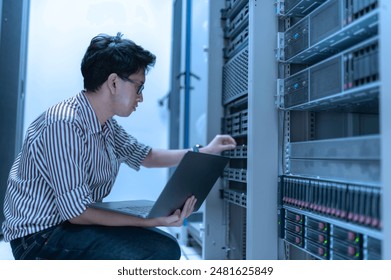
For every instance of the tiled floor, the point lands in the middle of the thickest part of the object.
(191, 253)
(188, 252)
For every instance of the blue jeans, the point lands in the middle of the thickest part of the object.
(90, 242)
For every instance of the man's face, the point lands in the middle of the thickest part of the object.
(128, 93)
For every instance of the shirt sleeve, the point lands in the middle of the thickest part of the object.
(127, 148)
(65, 152)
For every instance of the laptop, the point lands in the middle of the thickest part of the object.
(195, 175)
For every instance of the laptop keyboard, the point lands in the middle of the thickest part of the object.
(136, 210)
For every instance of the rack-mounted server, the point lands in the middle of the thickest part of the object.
(352, 75)
(325, 239)
(329, 29)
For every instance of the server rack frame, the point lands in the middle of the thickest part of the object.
(260, 233)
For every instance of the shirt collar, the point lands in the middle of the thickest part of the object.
(89, 113)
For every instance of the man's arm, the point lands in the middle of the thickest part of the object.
(163, 158)
(167, 158)
(93, 216)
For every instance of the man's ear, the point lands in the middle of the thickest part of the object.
(111, 82)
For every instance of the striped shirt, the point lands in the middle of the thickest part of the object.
(67, 161)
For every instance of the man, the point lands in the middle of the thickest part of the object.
(71, 157)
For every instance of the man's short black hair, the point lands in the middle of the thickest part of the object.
(111, 54)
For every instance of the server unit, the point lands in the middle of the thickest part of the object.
(353, 74)
(328, 29)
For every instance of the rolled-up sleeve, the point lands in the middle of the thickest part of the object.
(66, 152)
(127, 148)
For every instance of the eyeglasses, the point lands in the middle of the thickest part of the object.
(140, 86)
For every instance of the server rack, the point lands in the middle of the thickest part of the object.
(330, 186)
(304, 92)
(244, 89)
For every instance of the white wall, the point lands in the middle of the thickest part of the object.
(59, 34)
